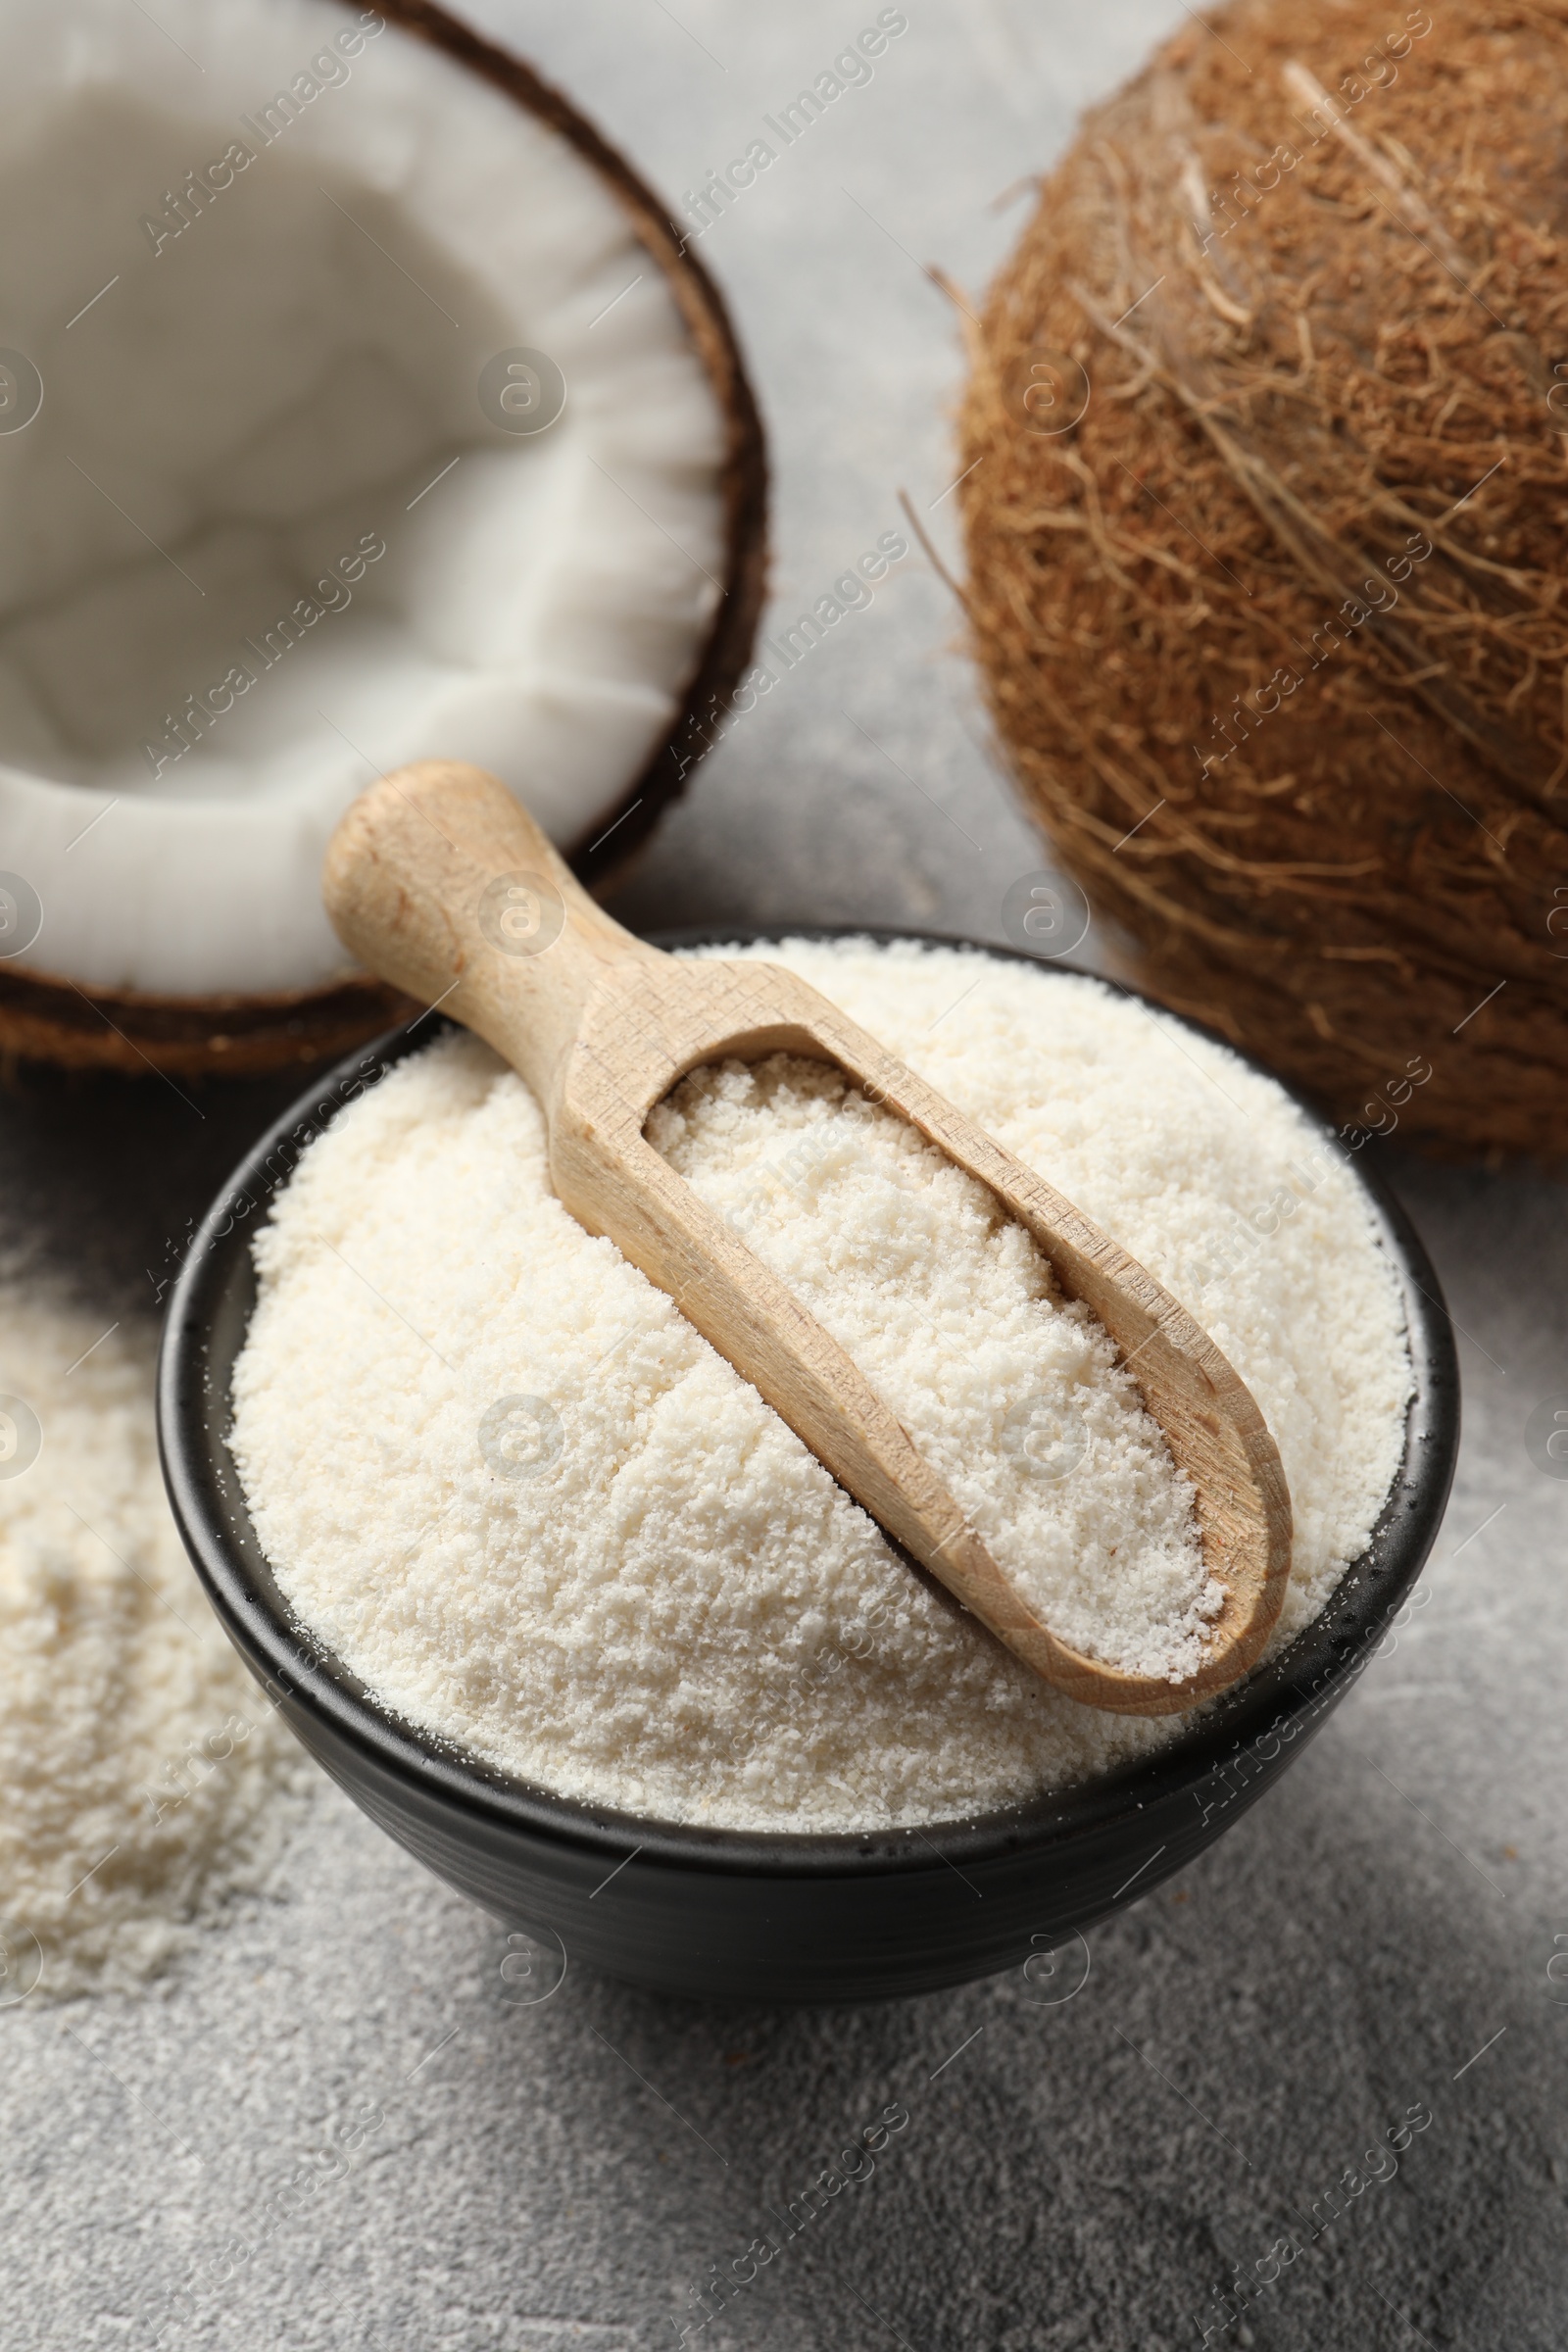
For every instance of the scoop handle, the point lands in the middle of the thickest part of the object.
(442, 883)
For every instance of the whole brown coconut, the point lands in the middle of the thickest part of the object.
(1267, 534)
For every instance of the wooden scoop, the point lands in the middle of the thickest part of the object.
(439, 881)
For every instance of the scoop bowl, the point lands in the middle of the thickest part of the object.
(765, 1917)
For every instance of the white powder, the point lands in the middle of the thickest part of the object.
(139, 1775)
(503, 1477)
(951, 1313)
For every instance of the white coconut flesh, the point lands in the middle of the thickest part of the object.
(253, 406)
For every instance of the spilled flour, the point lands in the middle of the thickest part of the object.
(497, 1472)
(140, 1773)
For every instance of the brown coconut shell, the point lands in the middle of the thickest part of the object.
(1292, 309)
(49, 1019)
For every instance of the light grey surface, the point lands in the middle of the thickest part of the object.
(1079, 2175)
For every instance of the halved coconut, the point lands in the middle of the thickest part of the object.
(357, 404)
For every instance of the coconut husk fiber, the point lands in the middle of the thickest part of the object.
(1292, 310)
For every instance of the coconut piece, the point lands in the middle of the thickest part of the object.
(1267, 515)
(383, 415)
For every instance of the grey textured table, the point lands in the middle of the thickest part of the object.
(1373, 1938)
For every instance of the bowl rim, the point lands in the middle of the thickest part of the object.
(1304, 1681)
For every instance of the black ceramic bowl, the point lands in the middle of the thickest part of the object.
(722, 1913)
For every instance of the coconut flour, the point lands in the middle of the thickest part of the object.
(519, 1496)
(947, 1306)
(139, 1769)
